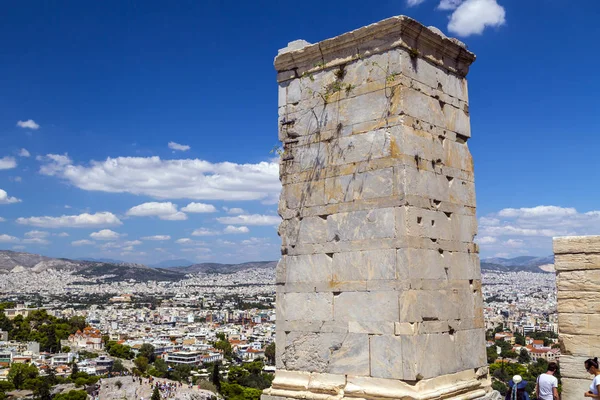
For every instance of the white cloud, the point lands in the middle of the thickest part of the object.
(486, 240)
(63, 234)
(170, 179)
(449, 4)
(234, 210)
(6, 199)
(83, 242)
(412, 3)
(17, 179)
(24, 153)
(234, 230)
(531, 229)
(105, 234)
(204, 232)
(166, 211)
(132, 243)
(2, 219)
(84, 220)
(535, 212)
(254, 219)
(35, 241)
(29, 124)
(157, 237)
(67, 206)
(188, 242)
(37, 234)
(471, 17)
(8, 239)
(178, 147)
(199, 208)
(8, 163)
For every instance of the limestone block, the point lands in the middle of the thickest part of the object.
(280, 271)
(470, 348)
(304, 194)
(439, 264)
(573, 367)
(359, 225)
(351, 356)
(307, 306)
(309, 268)
(428, 356)
(334, 327)
(577, 261)
(579, 324)
(364, 265)
(371, 327)
(386, 357)
(368, 107)
(355, 148)
(419, 69)
(345, 306)
(413, 142)
(457, 155)
(580, 345)
(312, 230)
(366, 185)
(578, 302)
(582, 281)
(576, 244)
(574, 388)
(326, 383)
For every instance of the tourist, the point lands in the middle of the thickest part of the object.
(516, 389)
(546, 387)
(591, 366)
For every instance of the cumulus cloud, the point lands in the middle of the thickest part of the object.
(4, 238)
(6, 199)
(412, 3)
(63, 234)
(234, 210)
(157, 237)
(132, 243)
(29, 124)
(449, 4)
(531, 229)
(166, 211)
(178, 147)
(84, 220)
(105, 234)
(37, 234)
(199, 208)
(83, 242)
(254, 219)
(35, 241)
(204, 232)
(233, 229)
(169, 179)
(189, 242)
(8, 162)
(24, 153)
(471, 17)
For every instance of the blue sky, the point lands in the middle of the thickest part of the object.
(101, 88)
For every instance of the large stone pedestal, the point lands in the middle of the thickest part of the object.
(379, 286)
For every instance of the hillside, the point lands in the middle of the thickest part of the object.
(523, 263)
(216, 268)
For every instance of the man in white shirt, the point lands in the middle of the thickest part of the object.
(547, 384)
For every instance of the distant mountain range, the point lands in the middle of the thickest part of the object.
(523, 263)
(170, 270)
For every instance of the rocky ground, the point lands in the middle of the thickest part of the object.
(131, 390)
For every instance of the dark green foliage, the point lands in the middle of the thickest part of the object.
(119, 350)
(141, 363)
(72, 395)
(118, 366)
(155, 394)
(20, 373)
(501, 387)
(250, 375)
(147, 350)
(233, 391)
(215, 376)
(270, 353)
(524, 357)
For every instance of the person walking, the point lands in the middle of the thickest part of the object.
(591, 366)
(546, 387)
(516, 389)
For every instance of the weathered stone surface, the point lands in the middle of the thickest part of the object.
(379, 287)
(576, 244)
(577, 261)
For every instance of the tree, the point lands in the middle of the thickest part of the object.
(19, 373)
(160, 368)
(74, 370)
(492, 354)
(225, 346)
(42, 390)
(215, 378)
(141, 363)
(118, 366)
(155, 394)
(524, 357)
(148, 351)
(270, 353)
(72, 395)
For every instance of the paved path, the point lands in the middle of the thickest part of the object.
(134, 391)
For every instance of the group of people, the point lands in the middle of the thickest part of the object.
(546, 385)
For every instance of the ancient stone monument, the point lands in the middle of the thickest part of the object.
(379, 286)
(577, 263)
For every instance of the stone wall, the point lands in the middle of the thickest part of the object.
(577, 263)
(379, 286)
